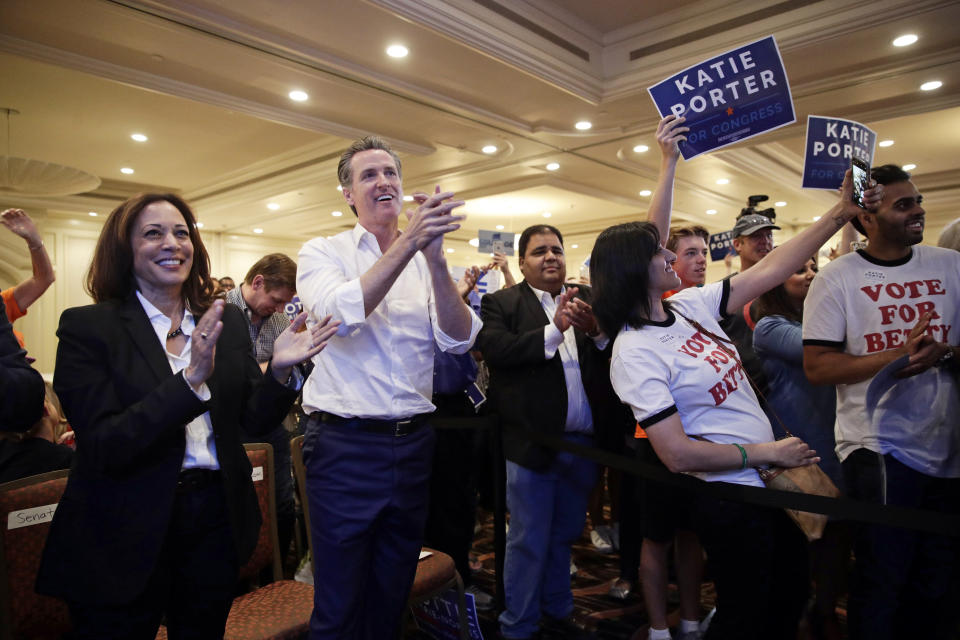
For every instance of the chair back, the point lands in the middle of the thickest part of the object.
(26, 510)
(300, 475)
(267, 551)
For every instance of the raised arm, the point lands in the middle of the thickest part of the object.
(326, 290)
(27, 292)
(669, 135)
(790, 256)
(427, 225)
(500, 262)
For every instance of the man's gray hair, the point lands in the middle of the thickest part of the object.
(345, 171)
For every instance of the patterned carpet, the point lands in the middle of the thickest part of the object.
(609, 618)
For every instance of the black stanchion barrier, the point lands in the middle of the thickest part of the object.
(491, 422)
(890, 515)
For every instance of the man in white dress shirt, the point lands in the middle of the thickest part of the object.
(368, 448)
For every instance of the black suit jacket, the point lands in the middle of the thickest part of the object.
(129, 412)
(530, 392)
(21, 387)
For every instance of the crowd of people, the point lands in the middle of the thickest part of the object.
(170, 371)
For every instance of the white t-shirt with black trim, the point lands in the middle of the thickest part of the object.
(865, 306)
(670, 367)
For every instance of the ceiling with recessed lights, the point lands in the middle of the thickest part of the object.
(522, 107)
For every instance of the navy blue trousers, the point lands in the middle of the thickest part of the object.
(368, 496)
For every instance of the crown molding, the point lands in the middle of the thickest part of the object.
(292, 51)
(479, 28)
(808, 26)
(773, 158)
(145, 80)
(283, 172)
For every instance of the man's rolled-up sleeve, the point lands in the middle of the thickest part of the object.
(448, 344)
(325, 289)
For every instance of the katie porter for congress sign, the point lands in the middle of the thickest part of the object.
(731, 97)
(831, 144)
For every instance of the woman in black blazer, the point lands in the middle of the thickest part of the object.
(157, 379)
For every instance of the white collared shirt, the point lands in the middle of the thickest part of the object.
(579, 417)
(381, 365)
(201, 451)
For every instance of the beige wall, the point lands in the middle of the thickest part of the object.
(70, 244)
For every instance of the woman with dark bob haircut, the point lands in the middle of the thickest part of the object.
(158, 379)
(681, 376)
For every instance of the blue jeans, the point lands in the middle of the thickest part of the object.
(547, 513)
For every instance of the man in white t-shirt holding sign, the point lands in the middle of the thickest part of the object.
(894, 302)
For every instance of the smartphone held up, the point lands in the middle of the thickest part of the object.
(861, 180)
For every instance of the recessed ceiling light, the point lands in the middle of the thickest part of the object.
(584, 125)
(885, 143)
(199, 225)
(641, 148)
(92, 214)
(298, 96)
(780, 203)
(574, 246)
(909, 167)
(646, 192)
(339, 187)
(489, 149)
(711, 212)
(547, 214)
(273, 206)
(723, 181)
(930, 86)
(336, 214)
(905, 40)
(408, 198)
(553, 166)
(397, 51)
(126, 170)
(258, 230)
(451, 250)
(139, 137)
(499, 227)
(474, 242)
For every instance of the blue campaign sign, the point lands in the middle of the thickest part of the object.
(439, 618)
(495, 241)
(721, 244)
(293, 308)
(831, 144)
(731, 97)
